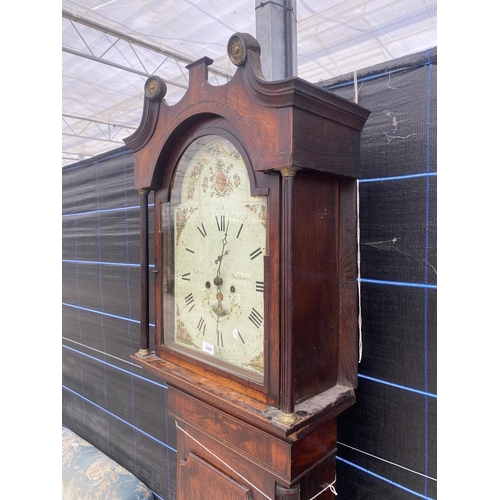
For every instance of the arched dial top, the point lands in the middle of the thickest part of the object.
(214, 284)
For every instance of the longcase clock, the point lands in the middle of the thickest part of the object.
(255, 275)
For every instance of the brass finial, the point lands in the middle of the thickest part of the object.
(236, 49)
(155, 88)
(242, 46)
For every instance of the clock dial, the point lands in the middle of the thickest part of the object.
(218, 233)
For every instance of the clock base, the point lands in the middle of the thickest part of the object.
(221, 456)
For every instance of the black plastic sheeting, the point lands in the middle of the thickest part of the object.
(107, 399)
(387, 440)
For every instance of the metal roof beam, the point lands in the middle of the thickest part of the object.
(134, 40)
(102, 131)
(82, 118)
(93, 138)
(118, 66)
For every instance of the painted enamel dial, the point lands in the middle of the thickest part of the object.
(218, 241)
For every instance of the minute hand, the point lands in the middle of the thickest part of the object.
(219, 258)
(218, 279)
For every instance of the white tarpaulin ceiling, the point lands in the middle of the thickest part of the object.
(110, 47)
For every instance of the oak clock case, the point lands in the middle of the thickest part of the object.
(213, 234)
(255, 275)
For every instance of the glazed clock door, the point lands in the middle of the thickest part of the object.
(214, 242)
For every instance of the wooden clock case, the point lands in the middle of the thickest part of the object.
(238, 438)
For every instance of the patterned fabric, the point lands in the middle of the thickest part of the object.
(88, 474)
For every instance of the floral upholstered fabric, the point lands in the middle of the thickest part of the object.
(88, 474)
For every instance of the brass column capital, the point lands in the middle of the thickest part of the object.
(289, 171)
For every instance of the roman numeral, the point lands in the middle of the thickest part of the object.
(202, 325)
(189, 299)
(256, 318)
(256, 253)
(186, 277)
(239, 231)
(202, 230)
(220, 342)
(221, 223)
(189, 250)
(259, 286)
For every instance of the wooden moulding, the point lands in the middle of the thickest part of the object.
(271, 115)
(311, 413)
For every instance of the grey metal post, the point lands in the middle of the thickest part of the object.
(276, 30)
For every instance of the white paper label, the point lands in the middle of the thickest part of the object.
(208, 348)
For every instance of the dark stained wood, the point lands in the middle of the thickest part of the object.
(287, 403)
(318, 480)
(284, 493)
(144, 262)
(232, 440)
(250, 456)
(315, 274)
(199, 479)
(274, 117)
(332, 147)
(159, 196)
(313, 448)
(348, 285)
(273, 289)
(228, 397)
(151, 109)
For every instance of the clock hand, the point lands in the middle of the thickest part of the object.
(218, 279)
(218, 282)
(219, 258)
